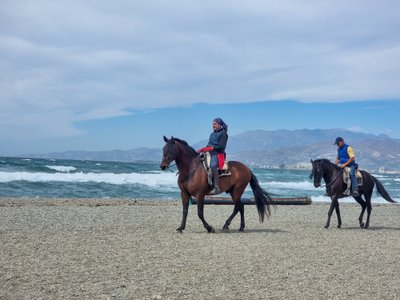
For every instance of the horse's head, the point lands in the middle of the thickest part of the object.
(317, 172)
(170, 153)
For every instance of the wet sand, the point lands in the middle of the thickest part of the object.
(122, 249)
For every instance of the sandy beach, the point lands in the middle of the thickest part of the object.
(129, 249)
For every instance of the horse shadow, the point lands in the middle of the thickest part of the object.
(373, 228)
(255, 230)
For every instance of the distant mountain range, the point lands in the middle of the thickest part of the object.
(276, 148)
(138, 154)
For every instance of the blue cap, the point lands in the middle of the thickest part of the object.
(338, 139)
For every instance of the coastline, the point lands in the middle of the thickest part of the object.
(128, 248)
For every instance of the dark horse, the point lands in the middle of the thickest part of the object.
(335, 188)
(192, 181)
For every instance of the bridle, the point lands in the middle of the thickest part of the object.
(173, 153)
(333, 180)
(326, 184)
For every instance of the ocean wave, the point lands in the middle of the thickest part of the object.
(379, 176)
(328, 199)
(349, 199)
(152, 180)
(62, 169)
(295, 185)
(320, 199)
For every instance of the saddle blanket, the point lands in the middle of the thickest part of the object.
(224, 170)
(347, 179)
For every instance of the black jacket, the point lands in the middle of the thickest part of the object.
(218, 140)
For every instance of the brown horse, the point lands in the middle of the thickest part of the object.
(192, 181)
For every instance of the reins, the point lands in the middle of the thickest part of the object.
(171, 170)
(333, 180)
(191, 173)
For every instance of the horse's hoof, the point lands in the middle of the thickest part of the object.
(241, 229)
(326, 226)
(362, 225)
(225, 228)
(339, 226)
(179, 230)
(366, 227)
(211, 230)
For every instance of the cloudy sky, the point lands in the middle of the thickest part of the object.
(100, 75)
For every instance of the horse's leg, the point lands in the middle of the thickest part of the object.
(369, 208)
(330, 211)
(200, 213)
(229, 220)
(338, 214)
(360, 200)
(241, 209)
(236, 195)
(185, 205)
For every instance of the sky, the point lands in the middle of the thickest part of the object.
(102, 75)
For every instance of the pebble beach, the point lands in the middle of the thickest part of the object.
(129, 249)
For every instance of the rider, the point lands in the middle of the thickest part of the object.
(216, 146)
(346, 158)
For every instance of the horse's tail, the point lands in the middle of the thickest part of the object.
(382, 191)
(262, 198)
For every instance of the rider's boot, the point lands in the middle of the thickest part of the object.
(216, 189)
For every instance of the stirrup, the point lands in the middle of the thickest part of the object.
(215, 191)
(355, 193)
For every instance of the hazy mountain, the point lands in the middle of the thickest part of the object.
(283, 138)
(292, 148)
(371, 154)
(138, 154)
(297, 147)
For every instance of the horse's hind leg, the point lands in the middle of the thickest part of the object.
(360, 200)
(236, 195)
(242, 225)
(229, 220)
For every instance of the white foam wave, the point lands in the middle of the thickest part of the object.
(320, 199)
(299, 185)
(349, 199)
(152, 180)
(63, 169)
(378, 176)
(328, 199)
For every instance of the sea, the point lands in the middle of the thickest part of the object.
(54, 178)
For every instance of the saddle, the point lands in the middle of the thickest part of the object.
(206, 160)
(347, 179)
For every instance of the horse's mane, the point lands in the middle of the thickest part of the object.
(326, 161)
(184, 143)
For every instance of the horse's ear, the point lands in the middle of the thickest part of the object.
(311, 161)
(165, 139)
(172, 140)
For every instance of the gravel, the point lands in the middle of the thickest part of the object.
(129, 249)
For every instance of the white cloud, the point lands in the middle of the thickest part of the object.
(96, 59)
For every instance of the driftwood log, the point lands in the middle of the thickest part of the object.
(215, 200)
